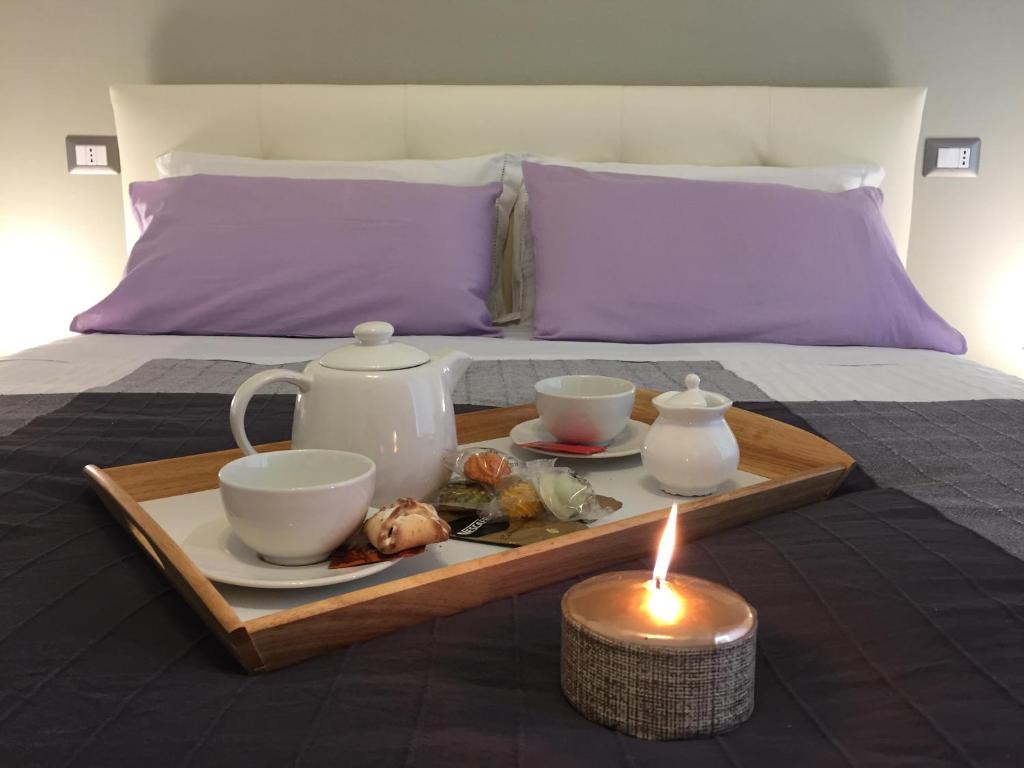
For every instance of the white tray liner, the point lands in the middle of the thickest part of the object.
(624, 479)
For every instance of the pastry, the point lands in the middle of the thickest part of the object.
(404, 525)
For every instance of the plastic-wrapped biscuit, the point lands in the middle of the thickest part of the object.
(483, 465)
(404, 525)
(517, 499)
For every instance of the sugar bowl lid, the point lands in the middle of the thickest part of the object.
(374, 351)
(692, 395)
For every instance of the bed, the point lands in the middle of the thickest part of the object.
(891, 614)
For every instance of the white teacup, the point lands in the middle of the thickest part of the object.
(295, 507)
(590, 410)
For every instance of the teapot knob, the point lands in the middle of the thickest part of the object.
(374, 333)
(692, 381)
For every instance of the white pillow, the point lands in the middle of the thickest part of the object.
(458, 172)
(836, 178)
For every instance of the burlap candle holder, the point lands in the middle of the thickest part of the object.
(690, 676)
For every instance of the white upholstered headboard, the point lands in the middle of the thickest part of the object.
(706, 125)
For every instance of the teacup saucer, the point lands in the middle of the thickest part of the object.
(627, 443)
(222, 556)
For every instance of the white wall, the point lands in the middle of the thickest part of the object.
(61, 245)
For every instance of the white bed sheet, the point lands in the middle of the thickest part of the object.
(783, 372)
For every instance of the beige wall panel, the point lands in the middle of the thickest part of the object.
(698, 126)
(332, 122)
(153, 120)
(579, 122)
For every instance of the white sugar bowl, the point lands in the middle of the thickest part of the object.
(690, 449)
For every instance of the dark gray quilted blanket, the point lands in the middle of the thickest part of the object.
(890, 634)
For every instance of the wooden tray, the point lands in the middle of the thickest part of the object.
(799, 469)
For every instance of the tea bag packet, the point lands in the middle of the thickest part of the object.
(464, 496)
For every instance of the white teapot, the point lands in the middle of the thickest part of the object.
(385, 400)
(690, 449)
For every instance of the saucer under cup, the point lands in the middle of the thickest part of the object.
(587, 410)
(296, 507)
(627, 443)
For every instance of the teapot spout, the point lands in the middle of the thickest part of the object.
(453, 365)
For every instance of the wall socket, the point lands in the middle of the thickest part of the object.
(92, 154)
(951, 157)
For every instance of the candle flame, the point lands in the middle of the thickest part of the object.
(664, 604)
(665, 548)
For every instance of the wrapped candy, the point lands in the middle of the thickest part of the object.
(568, 496)
(517, 499)
(485, 466)
(540, 487)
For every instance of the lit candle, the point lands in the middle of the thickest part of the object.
(658, 655)
(661, 609)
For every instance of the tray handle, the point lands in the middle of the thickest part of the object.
(178, 568)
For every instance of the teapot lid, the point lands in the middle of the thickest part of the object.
(374, 351)
(692, 395)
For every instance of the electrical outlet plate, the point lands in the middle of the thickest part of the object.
(951, 157)
(92, 154)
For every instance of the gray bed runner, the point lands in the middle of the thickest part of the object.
(965, 458)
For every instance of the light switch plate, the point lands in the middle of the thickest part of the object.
(951, 157)
(92, 154)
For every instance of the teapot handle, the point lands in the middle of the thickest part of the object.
(245, 392)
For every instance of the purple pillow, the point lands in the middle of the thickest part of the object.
(303, 257)
(644, 259)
